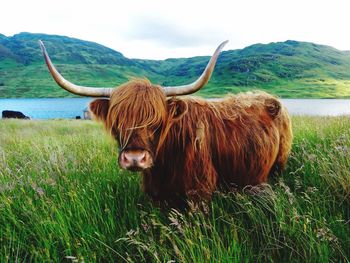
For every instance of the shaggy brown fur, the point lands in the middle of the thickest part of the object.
(198, 145)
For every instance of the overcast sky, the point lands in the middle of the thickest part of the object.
(157, 29)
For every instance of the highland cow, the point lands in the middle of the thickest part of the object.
(188, 147)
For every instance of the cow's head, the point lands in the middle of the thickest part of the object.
(135, 113)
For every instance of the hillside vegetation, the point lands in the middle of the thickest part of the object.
(63, 198)
(288, 69)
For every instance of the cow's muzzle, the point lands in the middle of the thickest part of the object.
(135, 160)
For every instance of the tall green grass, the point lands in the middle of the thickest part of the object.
(63, 198)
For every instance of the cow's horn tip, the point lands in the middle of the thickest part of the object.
(223, 43)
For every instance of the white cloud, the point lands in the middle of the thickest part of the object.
(158, 29)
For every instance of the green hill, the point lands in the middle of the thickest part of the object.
(287, 69)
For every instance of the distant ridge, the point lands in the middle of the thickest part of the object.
(289, 69)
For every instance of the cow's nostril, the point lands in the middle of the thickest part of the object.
(125, 158)
(143, 158)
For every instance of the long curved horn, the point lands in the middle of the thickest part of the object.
(79, 90)
(201, 81)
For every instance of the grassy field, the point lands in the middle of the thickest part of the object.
(63, 198)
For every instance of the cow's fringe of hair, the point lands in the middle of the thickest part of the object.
(146, 101)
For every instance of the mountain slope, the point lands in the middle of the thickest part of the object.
(287, 69)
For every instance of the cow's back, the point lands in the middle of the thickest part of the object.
(256, 139)
(245, 151)
(233, 141)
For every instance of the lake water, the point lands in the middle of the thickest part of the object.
(322, 107)
(49, 108)
(72, 107)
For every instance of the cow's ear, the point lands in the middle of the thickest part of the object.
(177, 108)
(99, 108)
